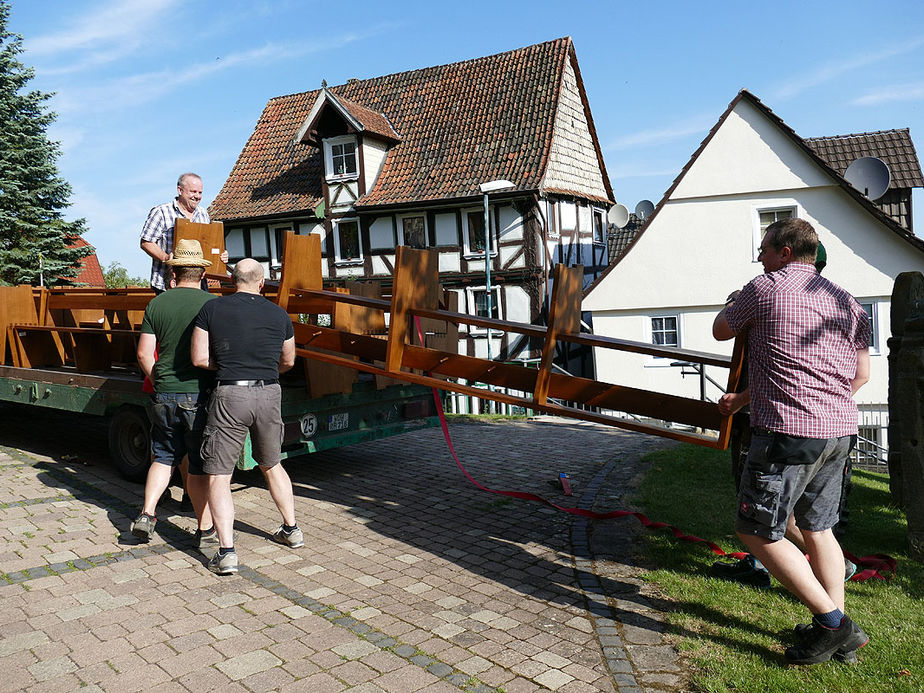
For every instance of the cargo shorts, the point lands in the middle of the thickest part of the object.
(786, 475)
(235, 410)
(177, 420)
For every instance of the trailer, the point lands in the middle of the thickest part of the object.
(73, 349)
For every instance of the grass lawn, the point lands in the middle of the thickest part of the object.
(732, 635)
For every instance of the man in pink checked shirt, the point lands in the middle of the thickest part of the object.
(808, 353)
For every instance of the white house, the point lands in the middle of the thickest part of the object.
(701, 243)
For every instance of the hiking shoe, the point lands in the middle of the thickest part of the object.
(143, 527)
(850, 569)
(223, 565)
(817, 644)
(293, 539)
(206, 542)
(846, 656)
(746, 571)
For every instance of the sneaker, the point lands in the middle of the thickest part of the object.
(293, 539)
(207, 542)
(745, 571)
(143, 527)
(850, 569)
(817, 644)
(223, 565)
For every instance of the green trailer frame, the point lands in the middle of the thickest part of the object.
(311, 425)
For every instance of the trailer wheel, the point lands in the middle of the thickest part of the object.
(130, 442)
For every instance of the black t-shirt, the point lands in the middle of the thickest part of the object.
(246, 332)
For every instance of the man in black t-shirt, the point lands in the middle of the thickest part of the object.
(249, 341)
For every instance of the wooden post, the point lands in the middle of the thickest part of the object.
(301, 266)
(416, 285)
(564, 318)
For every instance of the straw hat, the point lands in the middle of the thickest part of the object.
(188, 253)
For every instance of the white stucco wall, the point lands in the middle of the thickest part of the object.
(374, 152)
(382, 233)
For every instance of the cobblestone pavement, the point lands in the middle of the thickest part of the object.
(411, 579)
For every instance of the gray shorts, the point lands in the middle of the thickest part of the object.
(787, 475)
(234, 411)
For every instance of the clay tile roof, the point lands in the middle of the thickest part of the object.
(91, 273)
(892, 146)
(373, 122)
(460, 125)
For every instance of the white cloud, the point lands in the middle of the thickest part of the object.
(834, 69)
(99, 37)
(913, 91)
(139, 89)
(630, 170)
(647, 138)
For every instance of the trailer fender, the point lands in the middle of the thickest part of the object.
(130, 442)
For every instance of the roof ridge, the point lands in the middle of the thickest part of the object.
(857, 134)
(566, 39)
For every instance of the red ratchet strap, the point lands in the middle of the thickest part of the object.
(873, 565)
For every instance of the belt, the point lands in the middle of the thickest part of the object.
(248, 383)
(757, 431)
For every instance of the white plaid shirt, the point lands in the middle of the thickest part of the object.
(158, 228)
(803, 336)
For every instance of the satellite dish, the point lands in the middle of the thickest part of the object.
(644, 209)
(870, 175)
(618, 215)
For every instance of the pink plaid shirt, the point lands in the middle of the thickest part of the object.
(803, 336)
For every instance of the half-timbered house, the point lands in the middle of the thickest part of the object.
(399, 160)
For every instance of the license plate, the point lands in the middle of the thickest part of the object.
(338, 422)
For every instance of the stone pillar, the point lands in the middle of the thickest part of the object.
(906, 404)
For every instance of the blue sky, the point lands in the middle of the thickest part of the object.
(147, 89)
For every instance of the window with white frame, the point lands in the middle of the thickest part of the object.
(348, 247)
(341, 157)
(414, 231)
(767, 216)
(478, 305)
(599, 226)
(552, 219)
(871, 311)
(664, 331)
(250, 242)
(473, 235)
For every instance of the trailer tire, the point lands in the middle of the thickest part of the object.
(130, 442)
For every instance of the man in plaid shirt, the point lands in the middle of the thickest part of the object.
(157, 233)
(808, 353)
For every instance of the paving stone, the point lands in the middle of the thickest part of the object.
(244, 665)
(464, 580)
(355, 650)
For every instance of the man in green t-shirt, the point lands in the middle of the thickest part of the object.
(180, 392)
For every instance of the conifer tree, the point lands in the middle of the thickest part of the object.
(34, 237)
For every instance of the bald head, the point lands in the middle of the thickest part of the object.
(247, 275)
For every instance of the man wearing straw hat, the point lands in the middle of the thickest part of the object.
(180, 391)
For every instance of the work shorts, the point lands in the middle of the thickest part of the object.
(786, 475)
(177, 421)
(234, 411)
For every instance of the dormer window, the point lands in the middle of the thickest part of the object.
(340, 158)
